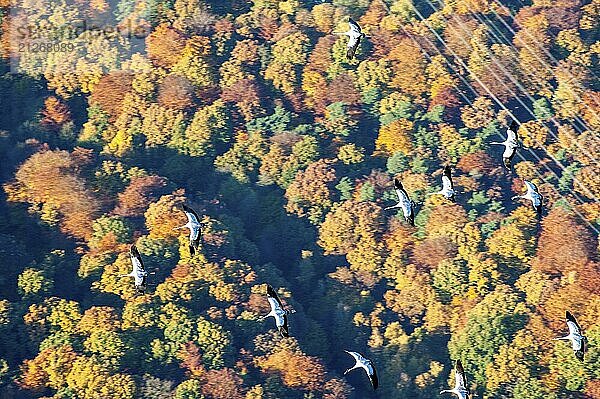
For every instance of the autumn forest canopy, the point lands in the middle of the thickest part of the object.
(251, 113)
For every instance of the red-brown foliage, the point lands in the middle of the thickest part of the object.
(342, 89)
(139, 194)
(477, 162)
(432, 251)
(176, 92)
(110, 92)
(223, 384)
(564, 244)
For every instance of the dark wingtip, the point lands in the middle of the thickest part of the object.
(514, 126)
(271, 291)
(539, 210)
(398, 184)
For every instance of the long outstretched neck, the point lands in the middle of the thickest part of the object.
(350, 369)
(182, 227)
(563, 338)
(271, 313)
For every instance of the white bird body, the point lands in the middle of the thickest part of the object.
(460, 385)
(354, 35)
(365, 364)
(278, 312)
(578, 340)
(195, 228)
(532, 195)
(510, 145)
(404, 203)
(447, 186)
(138, 273)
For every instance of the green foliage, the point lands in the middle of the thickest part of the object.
(338, 120)
(397, 163)
(34, 282)
(345, 187)
(449, 279)
(367, 192)
(275, 123)
(492, 323)
(214, 343)
(542, 109)
(189, 389)
(114, 225)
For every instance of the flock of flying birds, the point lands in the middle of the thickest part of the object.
(280, 313)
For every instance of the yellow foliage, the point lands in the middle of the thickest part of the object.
(479, 115)
(515, 238)
(395, 137)
(164, 215)
(99, 317)
(533, 134)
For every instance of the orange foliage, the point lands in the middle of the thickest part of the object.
(592, 389)
(409, 68)
(48, 179)
(99, 317)
(165, 46)
(296, 369)
(192, 359)
(310, 192)
(55, 113)
(246, 94)
(564, 244)
(342, 89)
(395, 137)
(48, 369)
(164, 215)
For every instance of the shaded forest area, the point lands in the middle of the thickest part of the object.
(250, 112)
